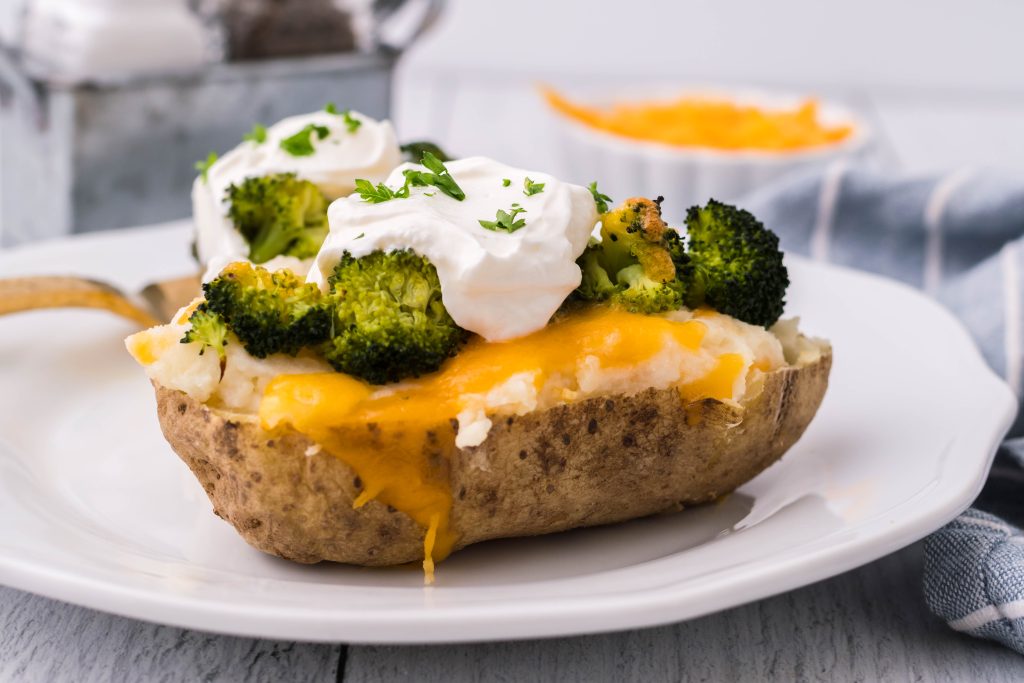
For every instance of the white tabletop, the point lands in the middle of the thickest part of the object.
(867, 625)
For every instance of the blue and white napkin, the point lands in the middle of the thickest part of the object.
(959, 237)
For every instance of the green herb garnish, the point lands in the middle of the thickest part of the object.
(351, 123)
(204, 166)
(600, 200)
(301, 144)
(505, 221)
(438, 177)
(531, 188)
(505, 182)
(258, 134)
(376, 194)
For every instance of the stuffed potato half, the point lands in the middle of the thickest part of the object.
(599, 461)
(440, 379)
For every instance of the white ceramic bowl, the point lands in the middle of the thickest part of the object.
(685, 176)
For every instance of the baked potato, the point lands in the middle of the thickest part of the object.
(441, 379)
(599, 461)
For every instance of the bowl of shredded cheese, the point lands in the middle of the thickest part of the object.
(694, 144)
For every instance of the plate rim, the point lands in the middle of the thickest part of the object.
(647, 607)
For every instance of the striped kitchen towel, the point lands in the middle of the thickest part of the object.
(960, 237)
(974, 577)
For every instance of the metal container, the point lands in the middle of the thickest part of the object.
(81, 156)
(89, 157)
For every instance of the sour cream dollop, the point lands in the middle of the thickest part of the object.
(371, 151)
(498, 284)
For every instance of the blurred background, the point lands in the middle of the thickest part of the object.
(941, 79)
(105, 105)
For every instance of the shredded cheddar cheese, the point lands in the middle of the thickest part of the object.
(706, 122)
(398, 440)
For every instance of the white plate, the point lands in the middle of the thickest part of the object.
(97, 510)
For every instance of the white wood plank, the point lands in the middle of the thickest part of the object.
(945, 133)
(867, 625)
(48, 641)
(422, 106)
(504, 118)
(915, 43)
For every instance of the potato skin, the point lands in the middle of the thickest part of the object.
(598, 461)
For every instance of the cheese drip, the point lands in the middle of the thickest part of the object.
(399, 439)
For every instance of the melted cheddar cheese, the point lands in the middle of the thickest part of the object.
(706, 122)
(397, 439)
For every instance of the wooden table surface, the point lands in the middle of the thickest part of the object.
(869, 624)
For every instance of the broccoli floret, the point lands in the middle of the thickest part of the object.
(639, 262)
(309, 241)
(596, 285)
(209, 329)
(736, 265)
(389, 321)
(269, 312)
(279, 214)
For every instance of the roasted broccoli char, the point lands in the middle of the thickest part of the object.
(279, 214)
(389, 322)
(731, 263)
(269, 312)
(639, 262)
(735, 264)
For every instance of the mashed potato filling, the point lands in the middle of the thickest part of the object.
(395, 437)
(236, 384)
